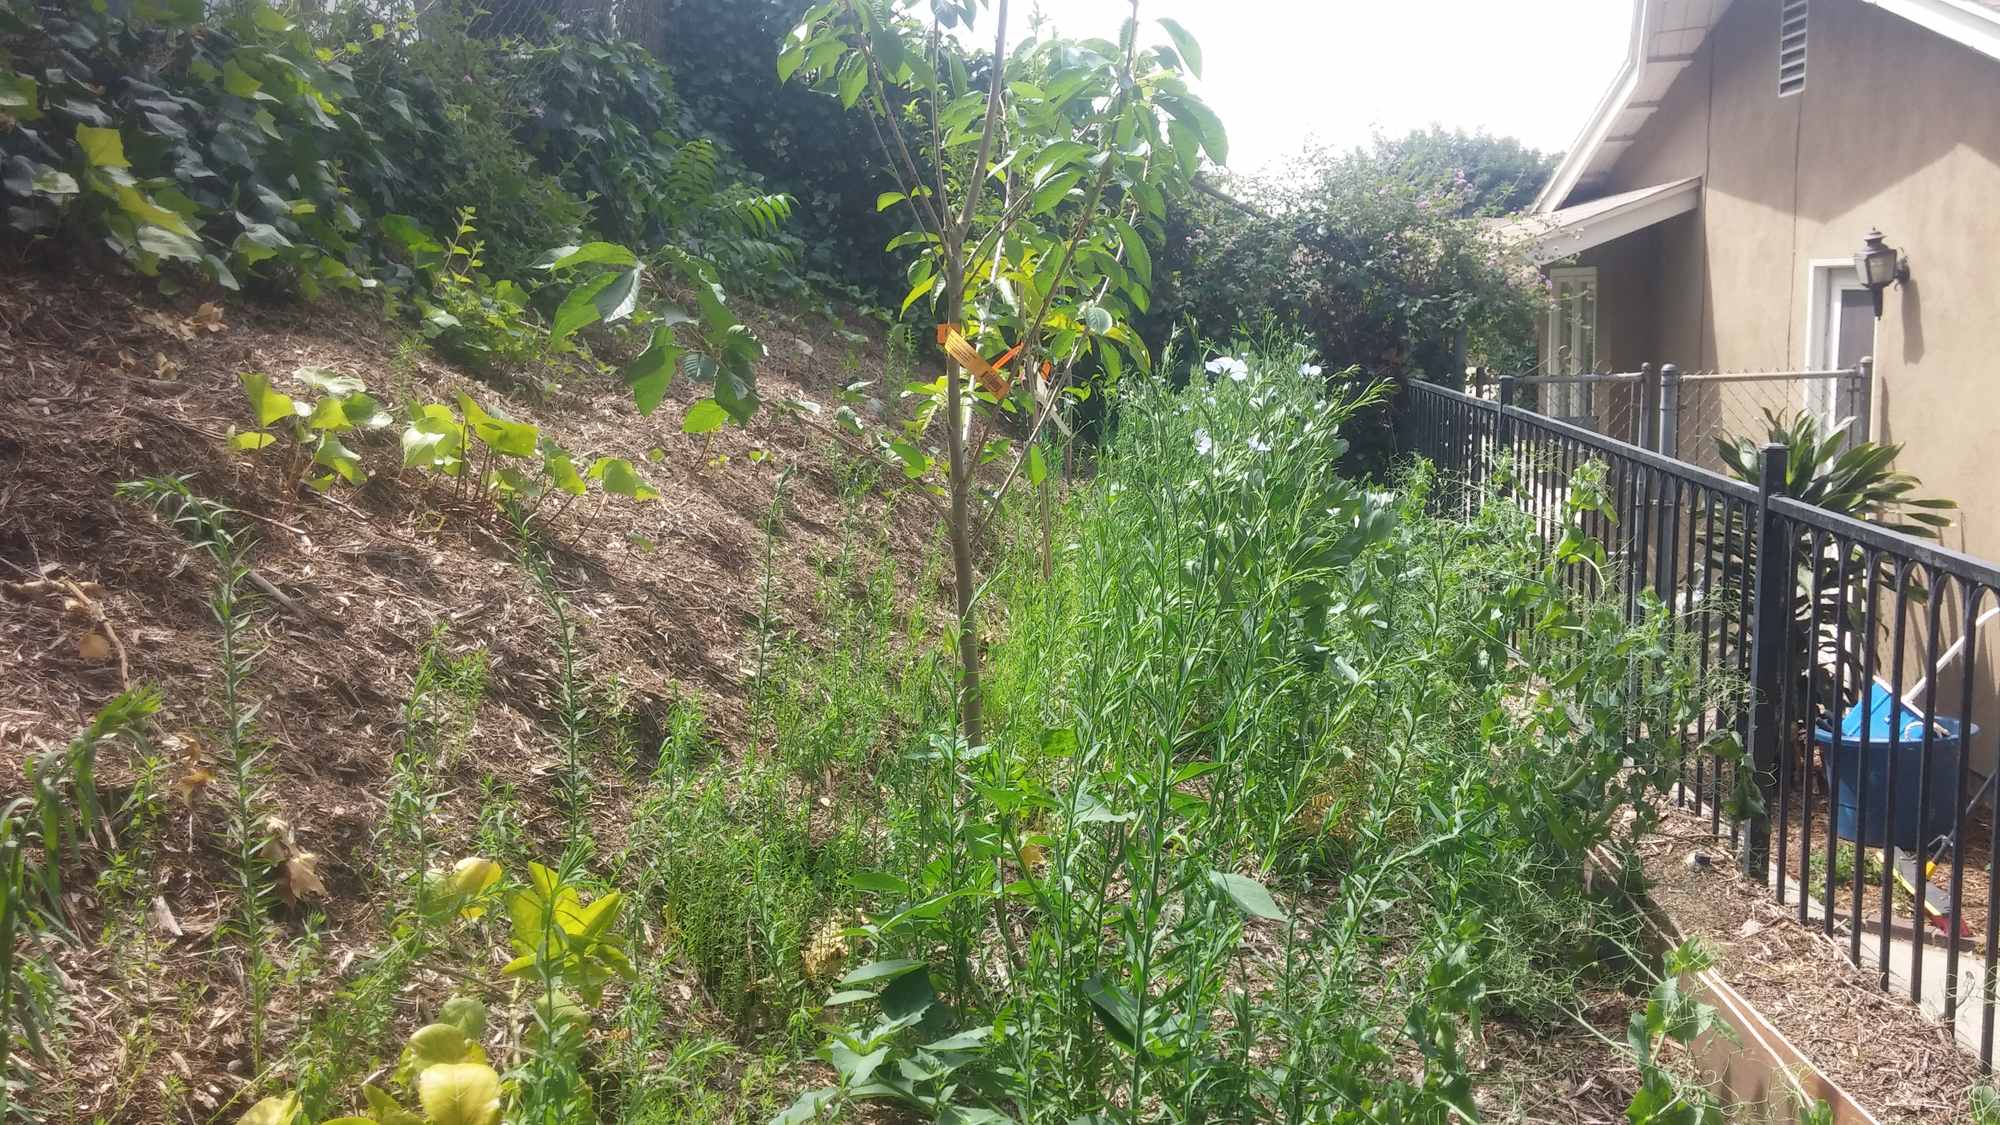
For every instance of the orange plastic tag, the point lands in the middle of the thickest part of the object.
(991, 379)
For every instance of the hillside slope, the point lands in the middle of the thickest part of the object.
(106, 382)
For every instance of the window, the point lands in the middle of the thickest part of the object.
(1791, 48)
(1571, 348)
(1840, 332)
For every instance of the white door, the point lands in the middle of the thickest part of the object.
(1572, 342)
(1843, 333)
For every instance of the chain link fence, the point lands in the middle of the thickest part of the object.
(1700, 409)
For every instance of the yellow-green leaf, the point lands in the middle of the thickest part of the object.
(272, 1111)
(621, 478)
(460, 1094)
(704, 417)
(267, 403)
(437, 1044)
(918, 290)
(469, 878)
(253, 439)
(386, 1111)
(503, 434)
(102, 148)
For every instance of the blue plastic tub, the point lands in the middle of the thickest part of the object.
(1895, 741)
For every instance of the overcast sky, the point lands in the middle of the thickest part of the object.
(1279, 71)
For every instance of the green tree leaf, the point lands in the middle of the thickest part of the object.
(704, 417)
(621, 478)
(268, 403)
(1248, 894)
(502, 434)
(1189, 48)
(590, 253)
(102, 148)
(650, 374)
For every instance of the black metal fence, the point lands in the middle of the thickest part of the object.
(1866, 797)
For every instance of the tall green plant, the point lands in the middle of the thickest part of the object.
(1024, 187)
(1831, 585)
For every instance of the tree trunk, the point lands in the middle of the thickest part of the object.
(971, 718)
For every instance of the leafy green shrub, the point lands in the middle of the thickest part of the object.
(612, 127)
(173, 137)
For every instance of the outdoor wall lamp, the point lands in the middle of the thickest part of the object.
(1878, 265)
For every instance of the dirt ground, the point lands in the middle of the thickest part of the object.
(1876, 1045)
(105, 381)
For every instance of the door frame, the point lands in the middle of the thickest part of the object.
(1573, 395)
(1826, 280)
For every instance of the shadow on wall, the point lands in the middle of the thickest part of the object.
(1913, 321)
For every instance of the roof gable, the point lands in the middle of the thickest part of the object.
(1666, 35)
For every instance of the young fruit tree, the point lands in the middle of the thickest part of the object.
(1032, 180)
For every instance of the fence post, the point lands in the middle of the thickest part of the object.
(1670, 411)
(1772, 610)
(1504, 431)
(1649, 396)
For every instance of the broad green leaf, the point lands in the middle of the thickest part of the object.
(621, 478)
(460, 1094)
(249, 440)
(918, 290)
(410, 235)
(1096, 318)
(653, 370)
(580, 309)
(18, 97)
(268, 404)
(889, 199)
(342, 460)
(237, 81)
(852, 80)
(384, 1109)
(330, 382)
(855, 1069)
(881, 970)
(1038, 471)
(1189, 48)
(1052, 193)
(561, 470)
(328, 414)
(704, 417)
(1116, 1008)
(435, 437)
(501, 433)
(1248, 894)
(437, 1044)
(1136, 254)
(590, 253)
(467, 880)
(963, 1041)
(808, 1107)
(102, 148)
(466, 1014)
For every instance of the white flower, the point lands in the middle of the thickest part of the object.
(1259, 445)
(1310, 370)
(1202, 443)
(1229, 365)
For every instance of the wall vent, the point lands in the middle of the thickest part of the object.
(1791, 48)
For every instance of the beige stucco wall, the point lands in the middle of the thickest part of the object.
(1898, 128)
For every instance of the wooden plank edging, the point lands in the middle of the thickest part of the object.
(1761, 1076)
